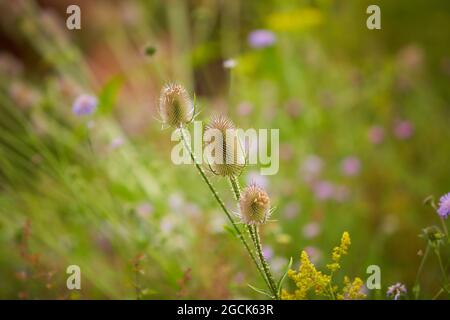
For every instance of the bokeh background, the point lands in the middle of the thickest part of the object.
(364, 132)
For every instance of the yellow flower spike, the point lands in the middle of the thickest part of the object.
(308, 280)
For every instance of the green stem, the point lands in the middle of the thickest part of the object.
(419, 271)
(444, 226)
(264, 262)
(220, 202)
(237, 193)
(444, 274)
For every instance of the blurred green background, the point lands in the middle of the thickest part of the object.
(364, 131)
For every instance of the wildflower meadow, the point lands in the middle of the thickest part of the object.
(255, 150)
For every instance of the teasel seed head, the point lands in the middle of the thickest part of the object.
(230, 157)
(254, 205)
(175, 105)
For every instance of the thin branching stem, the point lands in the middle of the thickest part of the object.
(221, 203)
(254, 234)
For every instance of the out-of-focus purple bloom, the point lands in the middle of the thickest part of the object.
(291, 210)
(261, 38)
(167, 225)
(323, 190)
(395, 291)
(314, 254)
(341, 193)
(117, 142)
(444, 206)
(239, 278)
(351, 166)
(311, 167)
(84, 104)
(267, 252)
(256, 178)
(403, 129)
(376, 134)
(311, 230)
(244, 108)
(144, 210)
(175, 201)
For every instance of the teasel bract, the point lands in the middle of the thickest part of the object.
(229, 157)
(254, 205)
(175, 106)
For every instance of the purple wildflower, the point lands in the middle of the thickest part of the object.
(444, 206)
(84, 105)
(396, 290)
(291, 210)
(376, 134)
(311, 230)
(403, 130)
(311, 167)
(323, 190)
(267, 252)
(351, 166)
(261, 38)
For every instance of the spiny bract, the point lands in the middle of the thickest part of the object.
(175, 105)
(254, 205)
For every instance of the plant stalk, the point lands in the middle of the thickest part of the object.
(254, 234)
(222, 205)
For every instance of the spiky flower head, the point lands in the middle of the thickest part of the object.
(175, 105)
(444, 206)
(227, 158)
(254, 205)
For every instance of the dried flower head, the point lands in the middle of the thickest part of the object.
(227, 157)
(175, 105)
(254, 205)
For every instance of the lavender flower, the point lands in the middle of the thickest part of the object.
(444, 206)
(323, 190)
(351, 166)
(84, 105)
(396, 290)
(311, 230)
(376, 134)
(261, 38)
(291, 210)
(311, 167)
(267, 252)
(403, 130)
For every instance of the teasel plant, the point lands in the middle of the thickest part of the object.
(177, 110)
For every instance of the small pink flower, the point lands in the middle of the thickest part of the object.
(351, 166)
(311, 230)
(403, 130)
(376, 134)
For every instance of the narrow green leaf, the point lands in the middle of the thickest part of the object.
(280, 283)
(260, 291)
(108, 95)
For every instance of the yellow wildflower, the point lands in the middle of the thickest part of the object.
(339, 251)
(308, 280)
(352, 290)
